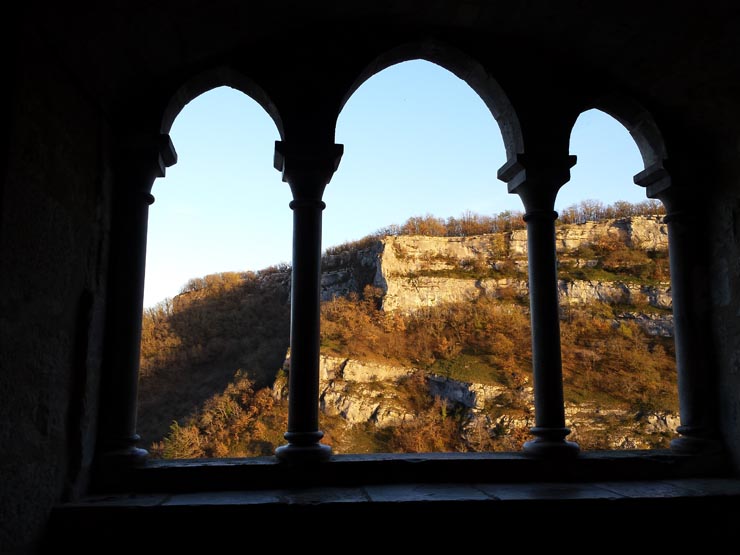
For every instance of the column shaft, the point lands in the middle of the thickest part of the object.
(135, 173)
(307, 169)
(691, 322)
(117, 433)
(303, 416)
(549, 430)
(536, 179)
(546, 359)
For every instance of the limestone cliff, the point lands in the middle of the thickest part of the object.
(421, 271)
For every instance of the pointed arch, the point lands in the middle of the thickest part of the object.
(640, 124)
(464, 67)
(211, 79)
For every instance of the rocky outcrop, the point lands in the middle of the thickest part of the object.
(647, 233)
(333, 368)
(350, 270)
(419, 271)
(614, 292)
(377, 403)
(363, 392)
(409, 293)
(660, 325)
(471, 395)
(408, 254)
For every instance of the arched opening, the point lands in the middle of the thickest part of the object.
(216, 322)
(423, 307)
(465, 68)
(619, 368)
(412, 133)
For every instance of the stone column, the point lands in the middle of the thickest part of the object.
(307, 171)
(134, 174)
(695, 363)
(537, 180)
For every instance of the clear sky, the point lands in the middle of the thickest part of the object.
(417, 141)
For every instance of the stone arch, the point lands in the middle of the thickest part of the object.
(639, 123)
(217, 77)
(463, 66)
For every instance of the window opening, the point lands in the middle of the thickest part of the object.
(619, 368)
(216, 318)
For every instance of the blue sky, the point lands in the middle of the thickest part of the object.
(417, 141)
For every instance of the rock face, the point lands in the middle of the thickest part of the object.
(614, 292)
(419, 271)
(470, 395)
(361, 391)
(376, 403)
(367, 392)
(647, 233)
(350, 270)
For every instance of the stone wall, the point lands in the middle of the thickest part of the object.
(724, 224)
(55, 198)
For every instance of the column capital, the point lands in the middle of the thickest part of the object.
(145, 158)
(668, 182)
(655, 179)
(307, 168)
(536, 178)
(153, 152)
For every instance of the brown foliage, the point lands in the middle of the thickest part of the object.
(357, 327)
(594, 211)
(611, 362)
(607, 362)
(192, 344)
(603, 359)
(469, 223)
(431, 429)
(236, 423)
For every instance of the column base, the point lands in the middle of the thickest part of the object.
(693, 442)
(133, 456)
(303, 447)
(113, 463)
(550, 443)
(123, 454)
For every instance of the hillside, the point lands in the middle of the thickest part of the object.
(425, 346)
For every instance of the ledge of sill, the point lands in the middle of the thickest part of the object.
(259, 473)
